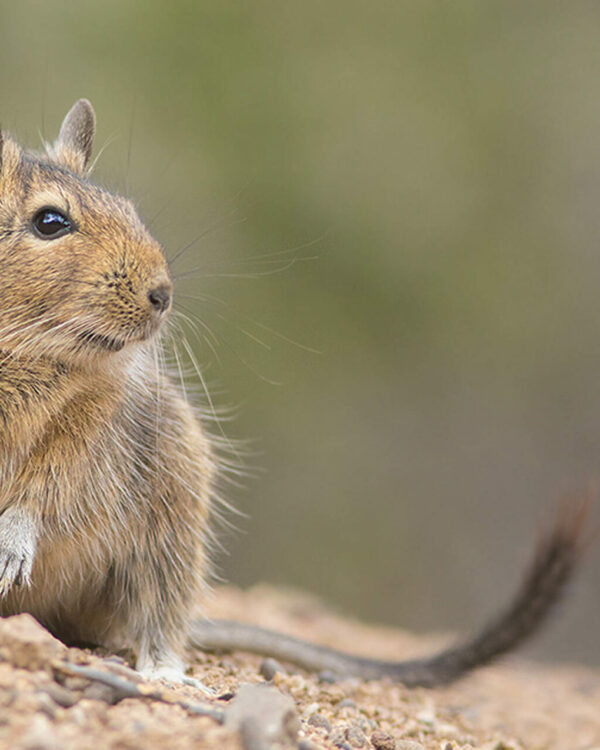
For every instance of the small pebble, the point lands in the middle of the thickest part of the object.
(448, 729)
(356, 737)
(347, 703)
(408, 745)
(316, 720)
(269, 668)
(327, 676)
(367, 725)
(426, 717)
(312, 708)
(46, 705)
(61, 695)
(306, 745)
(333, 694)
(338, 736)
(383, 741)
(99, 692)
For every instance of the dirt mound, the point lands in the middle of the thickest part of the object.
(55, 698)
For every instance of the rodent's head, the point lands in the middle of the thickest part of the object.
(80, 275)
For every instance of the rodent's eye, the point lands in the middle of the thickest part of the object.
(50, 224)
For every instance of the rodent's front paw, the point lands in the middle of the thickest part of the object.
(17, 549)
(15, 568)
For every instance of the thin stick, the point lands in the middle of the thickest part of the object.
(126, 689)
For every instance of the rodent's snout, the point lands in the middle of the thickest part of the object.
(160, 298)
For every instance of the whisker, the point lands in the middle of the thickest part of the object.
(288, 250)
(175, 351)
(217, 301)
(210, 337)
(109, 141)
(260, 342)
(266, 259)
(129, 147)
(205, 233)
(209, 400)
(248, 275)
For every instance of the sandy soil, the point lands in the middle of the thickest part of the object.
(509, 706)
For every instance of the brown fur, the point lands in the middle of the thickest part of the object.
(100, 453)
(106, 476)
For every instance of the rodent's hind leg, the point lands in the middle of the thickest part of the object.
(167, 667)
(18, 539)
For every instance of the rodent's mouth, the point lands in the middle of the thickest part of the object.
(102, 342)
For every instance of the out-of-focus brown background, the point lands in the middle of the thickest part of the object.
(394, 269)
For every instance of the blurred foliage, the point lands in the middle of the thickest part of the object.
(407, 188)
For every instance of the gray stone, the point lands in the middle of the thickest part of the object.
(263, 716)
(269, 668)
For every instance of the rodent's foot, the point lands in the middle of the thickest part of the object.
(174, 676)
(198, 684)
(17, 549)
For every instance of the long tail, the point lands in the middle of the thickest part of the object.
(556, 556)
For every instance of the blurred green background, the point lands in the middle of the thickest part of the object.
(395, 274)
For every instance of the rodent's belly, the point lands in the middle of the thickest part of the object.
(67, 592)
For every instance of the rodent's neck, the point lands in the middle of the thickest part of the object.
(34, 393)
(59, 424)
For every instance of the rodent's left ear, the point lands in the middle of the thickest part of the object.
(73, 147)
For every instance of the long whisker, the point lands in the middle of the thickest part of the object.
(205, 233)
(247, 365)
(246, 275)
(109, 141)
(286, 251)
(209, 337)
(209, 400)
(252, 321)
(266, 259)
(175, 351)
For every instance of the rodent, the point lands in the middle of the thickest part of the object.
(107, 476)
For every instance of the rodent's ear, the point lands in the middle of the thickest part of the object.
(73, 147)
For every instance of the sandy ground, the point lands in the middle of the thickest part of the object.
(510, 706)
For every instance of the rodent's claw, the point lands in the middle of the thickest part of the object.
(16, 569)
(17, 549)
(20, 577)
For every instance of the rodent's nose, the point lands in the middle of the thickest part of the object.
(160, 298)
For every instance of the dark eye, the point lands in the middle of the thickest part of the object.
(50, 224)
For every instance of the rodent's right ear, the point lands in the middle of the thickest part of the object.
(73, 146)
